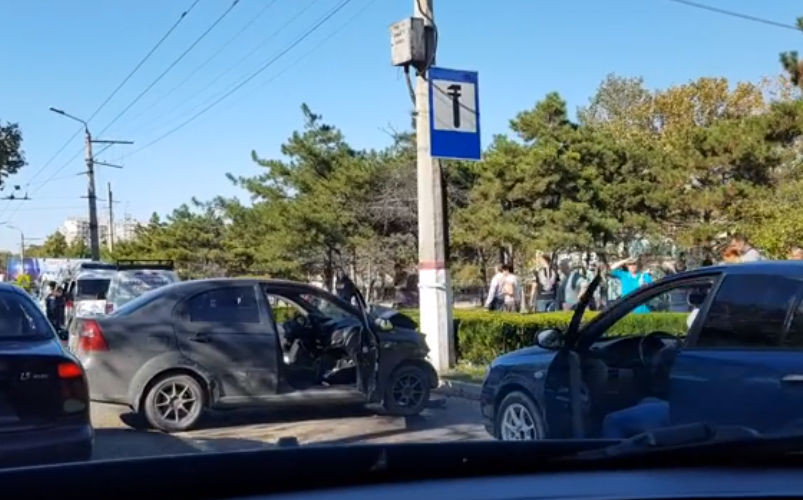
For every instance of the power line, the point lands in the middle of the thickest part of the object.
(249, 78)
(207, 60)
(141, 94)
(226, 71)
(731, 13)
(117, 89)
(317, 46)
(170, 66)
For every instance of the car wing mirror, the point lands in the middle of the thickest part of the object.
(62, 334)
(548, 339)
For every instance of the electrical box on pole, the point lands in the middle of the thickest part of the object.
(408, 43)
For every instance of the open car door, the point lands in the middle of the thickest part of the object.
(367, 358)
(564, 393)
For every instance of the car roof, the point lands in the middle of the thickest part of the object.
(93, 274)
(10, 287)
(213, 282)
(786, 268)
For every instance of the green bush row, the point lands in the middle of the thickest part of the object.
(483, 335)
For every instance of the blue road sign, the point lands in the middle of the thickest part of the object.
(454, 118)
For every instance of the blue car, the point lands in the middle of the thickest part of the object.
(734, 358)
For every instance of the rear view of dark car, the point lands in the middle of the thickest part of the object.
(44, 401)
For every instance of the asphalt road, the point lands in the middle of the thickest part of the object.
(446, 419)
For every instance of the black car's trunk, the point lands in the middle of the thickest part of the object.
(32, 393)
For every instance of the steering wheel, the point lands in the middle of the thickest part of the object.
(302, 321)
(654, 338)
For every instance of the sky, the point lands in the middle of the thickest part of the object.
(71, 54)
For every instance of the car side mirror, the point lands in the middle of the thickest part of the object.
(62, 333)
(383, 324)
(548, 339)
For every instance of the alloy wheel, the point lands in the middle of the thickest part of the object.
(518, 424)
(175, 402)
(408, 391)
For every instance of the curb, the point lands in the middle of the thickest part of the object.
(459, 389)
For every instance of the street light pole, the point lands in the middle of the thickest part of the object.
(94, 239)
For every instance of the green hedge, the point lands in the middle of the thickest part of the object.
(483, 335)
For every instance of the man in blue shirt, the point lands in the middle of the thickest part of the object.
(632, 278)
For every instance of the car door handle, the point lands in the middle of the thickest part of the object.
(793, 377)
(201, 338)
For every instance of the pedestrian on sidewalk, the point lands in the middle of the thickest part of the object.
(574, 287)
(746, 250)
(546, 282)
(796, 253)
(511, 289)
(495, 300)
(632, 278)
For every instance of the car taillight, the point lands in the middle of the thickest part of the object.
(69, 370)
(74, 392)
(109, 308)
(90, 337)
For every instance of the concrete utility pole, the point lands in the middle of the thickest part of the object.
(94, 239)
(111, 218)
(435, 287)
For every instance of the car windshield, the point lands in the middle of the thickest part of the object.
(476, 220)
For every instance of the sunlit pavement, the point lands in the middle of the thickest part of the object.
(447, 419)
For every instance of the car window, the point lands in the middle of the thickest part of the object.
(794, 337)
(91, 289)
(20, 318)
(325, 307)
(749, 311)
(672, 311)
(284, 309)
(236, 304)
(137, 303)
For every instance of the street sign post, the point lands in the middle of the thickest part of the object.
(454, 120)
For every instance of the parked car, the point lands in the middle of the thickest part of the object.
(44, 399)
(739, 362)
(178, 350)
(100, 288)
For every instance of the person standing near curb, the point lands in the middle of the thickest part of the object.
(546, 281)
(632, 278)
(494, 300)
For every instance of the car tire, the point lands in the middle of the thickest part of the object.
(174, 403)
(407, 391)
(518, 418)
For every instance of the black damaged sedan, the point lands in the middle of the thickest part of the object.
(177, 351)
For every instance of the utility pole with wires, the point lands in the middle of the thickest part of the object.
(94, 239)
(111, 216)
(413, 43)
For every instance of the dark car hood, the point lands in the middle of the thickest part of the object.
(41, 347)
(402, 335)
(531, 353)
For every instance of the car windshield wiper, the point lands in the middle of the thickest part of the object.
(697, 438)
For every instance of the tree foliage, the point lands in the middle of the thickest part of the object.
(683, 166)
(12, 157)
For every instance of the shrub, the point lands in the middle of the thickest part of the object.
(483, 335)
